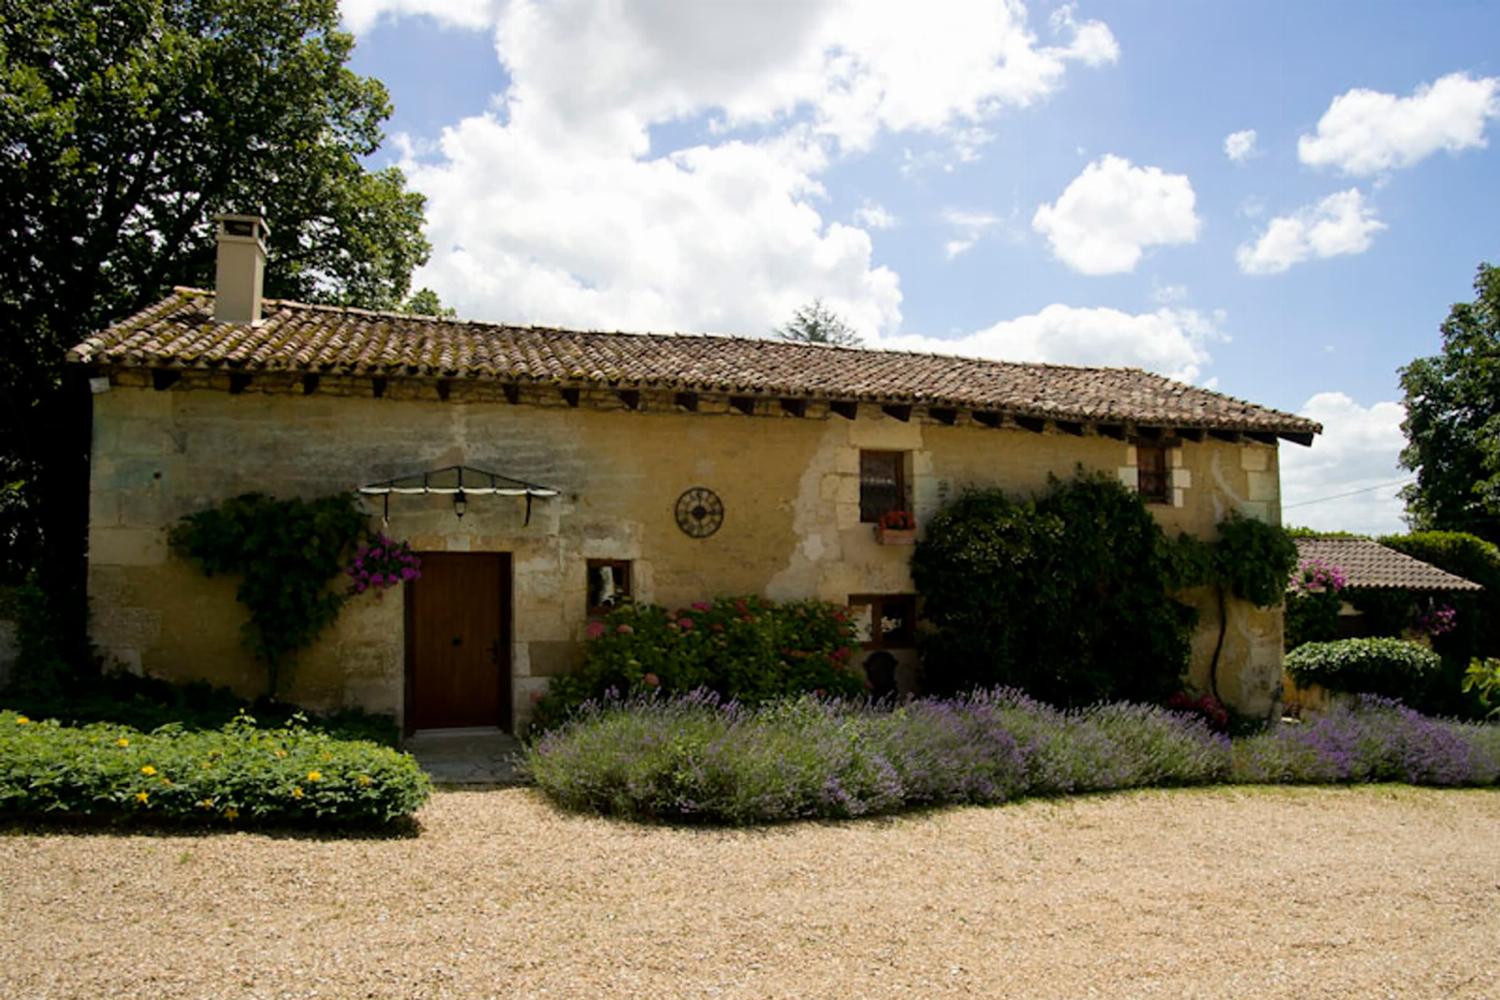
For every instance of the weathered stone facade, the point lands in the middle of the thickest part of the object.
(790, 486)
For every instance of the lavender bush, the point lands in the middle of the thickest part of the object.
(696, 758)
(1378, 740)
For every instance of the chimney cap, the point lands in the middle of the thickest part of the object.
(237, 225)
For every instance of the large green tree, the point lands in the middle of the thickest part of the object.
(1453, 420)
(815, 323)
(125, 127)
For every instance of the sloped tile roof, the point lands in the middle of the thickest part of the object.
(1367, 563)
(179, 332)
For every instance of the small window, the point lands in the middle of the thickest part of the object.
(609, 585)
(1153, 476)
(885, 621)
(882, 484)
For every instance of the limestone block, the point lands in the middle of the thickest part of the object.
(553, 658)
(1181, 478)
(1262, 486)
(1174, 458)
(1131, 458)
(1129, 476)
(848, 490)
(846, 516)
(1257, 510)
(1179, 497)
(1255, 458)
(128, 546)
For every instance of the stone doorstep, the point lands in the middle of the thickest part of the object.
(479, 756)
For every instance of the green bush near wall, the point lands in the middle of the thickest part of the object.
(1394, 668)
(240, 774)
(1470, 557)
(748, 649)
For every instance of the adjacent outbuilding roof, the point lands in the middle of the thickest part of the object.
(180, 332)
(1369, 564)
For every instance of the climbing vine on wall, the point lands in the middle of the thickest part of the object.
(286, 553)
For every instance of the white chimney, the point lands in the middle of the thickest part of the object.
(241, 269)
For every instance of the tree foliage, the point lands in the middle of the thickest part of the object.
(1066, 596)
(1453, 420)
(125, 127)
(815, 323)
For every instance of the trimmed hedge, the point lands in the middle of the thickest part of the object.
(1392, 667)
(286, 776)
(1470, 557)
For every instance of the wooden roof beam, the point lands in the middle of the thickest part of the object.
(897, 412)
(794, 407)
(744, 404)
(686, 401)
(943, 414)
(846, 408)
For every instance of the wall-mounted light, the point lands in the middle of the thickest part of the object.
(460, 503)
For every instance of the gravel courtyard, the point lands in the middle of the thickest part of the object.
(1385, 891)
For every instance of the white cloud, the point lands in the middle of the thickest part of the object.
(1240, 146)
(873, 215)
(555, 208)
(968, 228)
(1112, 211)
(1165, 295)
(1365, 131)
(362, 15)
(1357, 451)
(1340, 224)
(1174, 342)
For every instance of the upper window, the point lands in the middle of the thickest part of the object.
(882, 484)
(609, 585)
(1154, 480)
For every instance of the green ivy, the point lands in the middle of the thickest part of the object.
(1254, 560)
(286, 553)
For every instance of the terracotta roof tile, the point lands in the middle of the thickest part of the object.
(1367, 563)
(180, 332)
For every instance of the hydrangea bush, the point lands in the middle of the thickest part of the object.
(1392, 667)
(238, 774)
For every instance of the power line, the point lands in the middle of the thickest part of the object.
(1340, 496)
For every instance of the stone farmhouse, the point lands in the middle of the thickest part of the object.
(665, 468)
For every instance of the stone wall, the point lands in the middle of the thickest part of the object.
(790, 487)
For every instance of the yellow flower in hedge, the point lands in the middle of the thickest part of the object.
(231, 813)
(122, 742)
(314, 775)
(297, 792)
(21, 720)
(365, 780)
(148, 770)
(142, 796)
(281, 753)
(205, 803)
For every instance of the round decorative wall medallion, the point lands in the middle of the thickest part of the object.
(700, 512)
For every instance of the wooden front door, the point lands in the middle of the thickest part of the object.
(458, 641)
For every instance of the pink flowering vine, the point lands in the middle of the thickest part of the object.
(383, 563)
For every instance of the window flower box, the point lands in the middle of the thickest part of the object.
(896, 527)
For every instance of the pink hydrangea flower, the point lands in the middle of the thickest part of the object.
(594, 630)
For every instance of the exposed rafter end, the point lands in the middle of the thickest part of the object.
(444, 389)
(571, 397)
(1262, 437)
(1151, 433)
(238, 383)
(1069, 427)
(1233, 437)
(687, 401)
(744, 404)
(377, 387)
(943, 415)
(1034, 424)
(1116, 431)
(846, 408)
(988, 418)
(794, 407)
(1304, 438)
(1190, 433)
(164, 378)
(901, 413)
(512, 393)
(630, 397)
(310, 384)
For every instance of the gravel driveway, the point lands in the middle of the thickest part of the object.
(1380, 891)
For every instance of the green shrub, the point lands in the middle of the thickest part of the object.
(148, 703)
(1472, 558)
(240, 773)
(1391, 667)
(744, 648)
(1065, 595)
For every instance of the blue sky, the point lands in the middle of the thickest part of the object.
(1048, 182)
